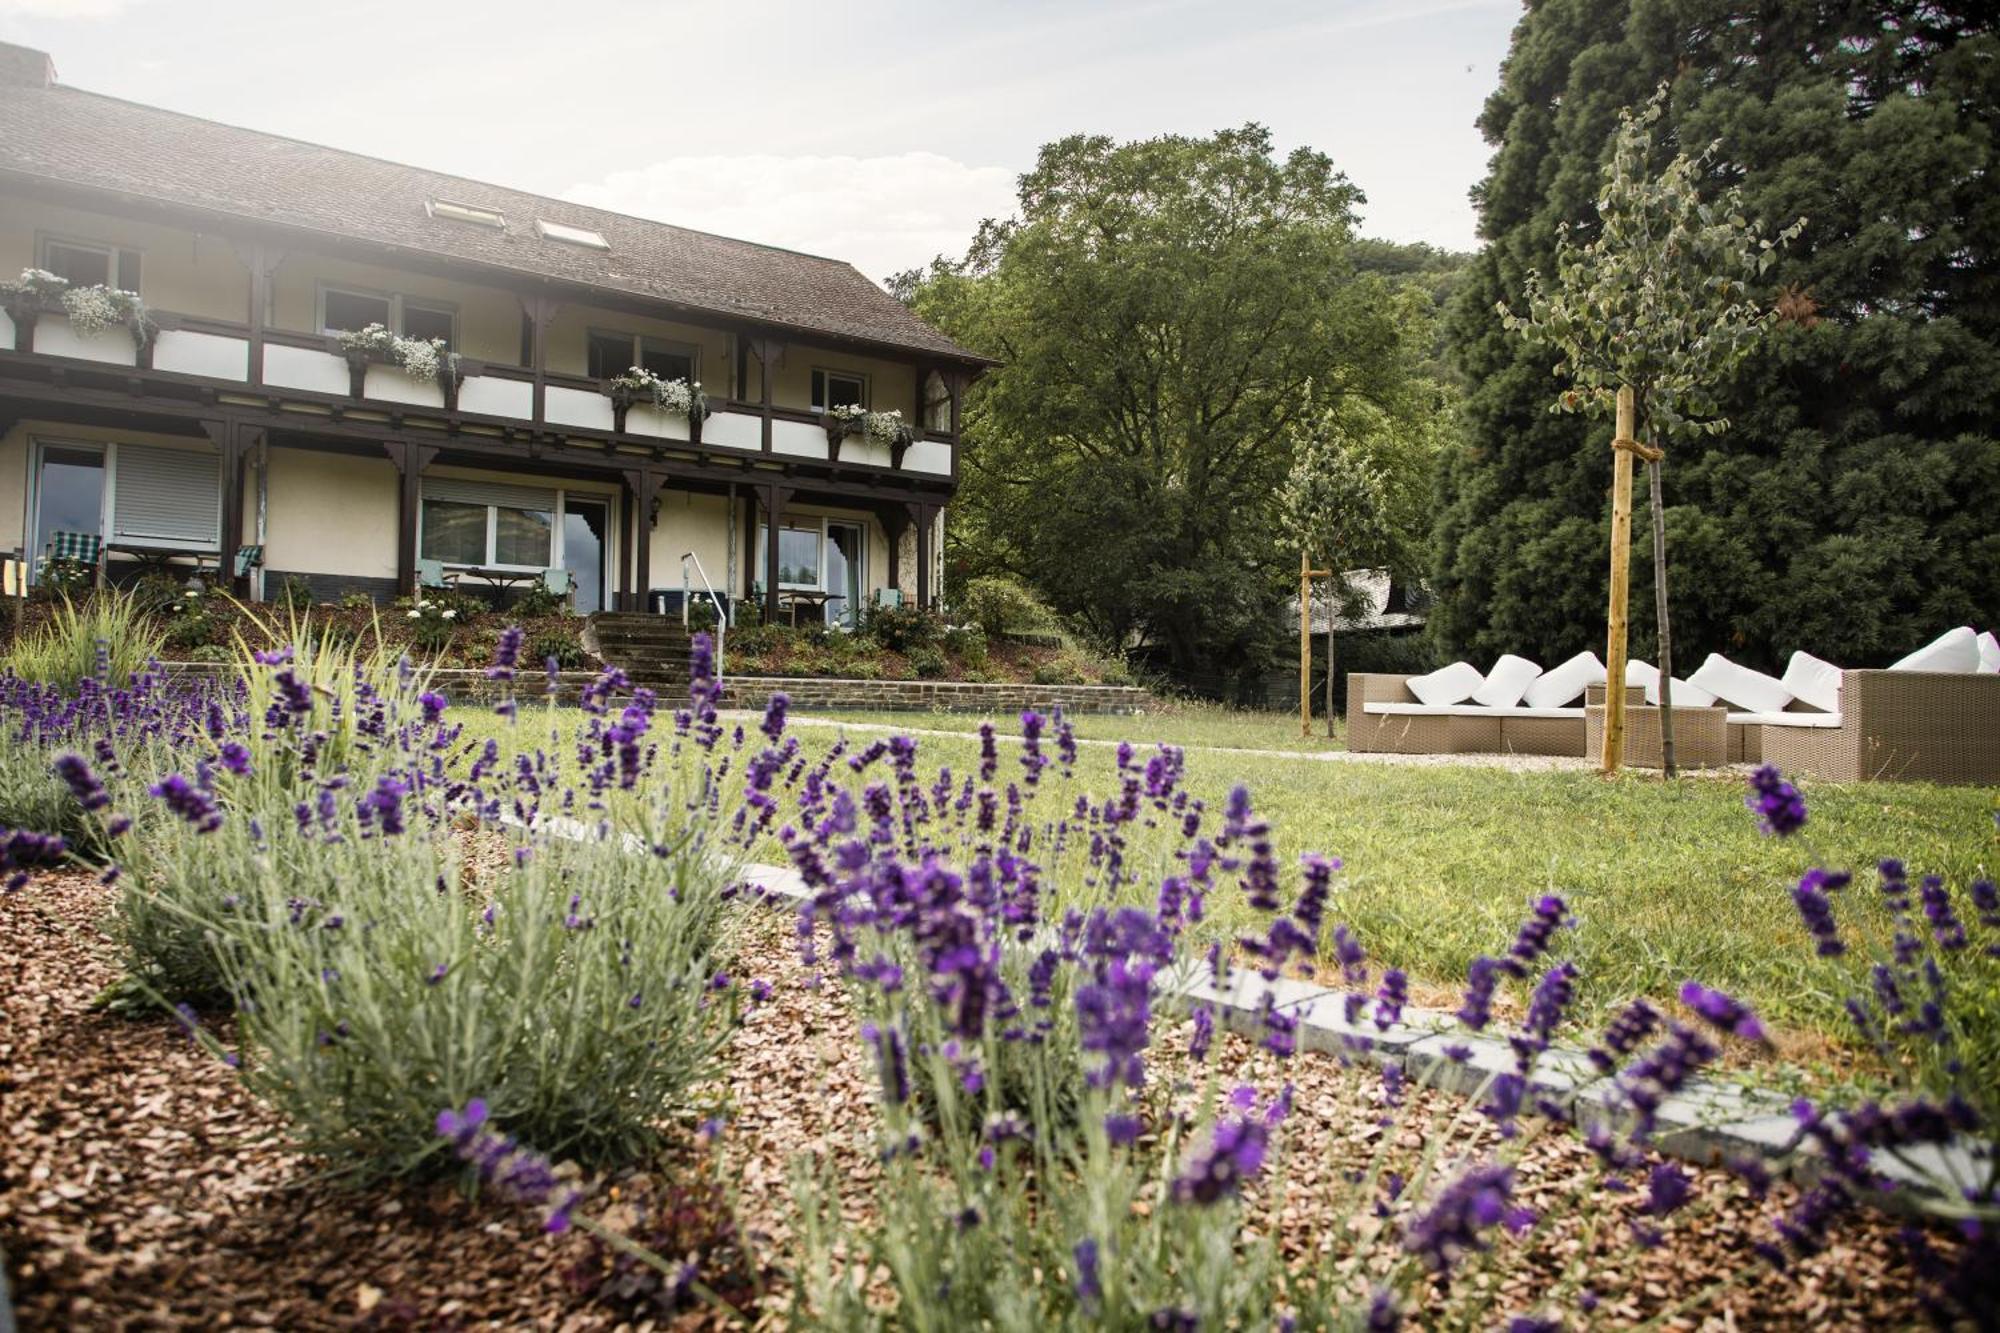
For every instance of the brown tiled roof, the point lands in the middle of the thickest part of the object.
(87, 139)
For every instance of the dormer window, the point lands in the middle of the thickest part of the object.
(568, 235)
(452, 211)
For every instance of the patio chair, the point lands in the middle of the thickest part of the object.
(84, 550)
(247, 559)
(560, 583)
(888, 597)
(430, 574)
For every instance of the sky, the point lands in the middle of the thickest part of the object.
(877, 131)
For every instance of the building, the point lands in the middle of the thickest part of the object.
(231, 414)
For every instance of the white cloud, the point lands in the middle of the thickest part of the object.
(881, 214)
(63, 9)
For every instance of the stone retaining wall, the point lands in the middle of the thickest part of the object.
(807, 693)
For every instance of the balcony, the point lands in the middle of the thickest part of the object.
(219, 355)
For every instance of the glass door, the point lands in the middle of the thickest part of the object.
(69, 495)
(845, 554)
(585, 525)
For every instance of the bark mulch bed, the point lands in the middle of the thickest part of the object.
(142, 1188)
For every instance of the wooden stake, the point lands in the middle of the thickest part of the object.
(1621, 567)
(1305, 646)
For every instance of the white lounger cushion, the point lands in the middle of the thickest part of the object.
(1989, 653)
(1781, 719)
(1447, 685)
(1506, 682)
(1751, 691)
(1564, 684)
(1953, 650)
(1814, 681)
(1467, 710)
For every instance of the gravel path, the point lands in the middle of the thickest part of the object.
(141, 1187)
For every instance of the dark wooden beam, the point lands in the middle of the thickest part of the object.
(643, 485)
(410, 459)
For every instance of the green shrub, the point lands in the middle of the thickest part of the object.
(536, 601)
(927, 662)
(187, 623)
(967, 644)
(212, 653)
(701, 616)
(901, 628)
(1062, 669)
(560, 642)
(1115, 672)
(356, 601)
(294, 592)
(66, 649)
(998, 605)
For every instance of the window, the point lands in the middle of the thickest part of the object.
(83, 264)
(451, 211)
(612, 354)
(838, 388)
(798, 555)
(133, 494)
(344, 309)
(487, 523)
(568, 235)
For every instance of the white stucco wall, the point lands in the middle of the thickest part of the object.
(331, 514)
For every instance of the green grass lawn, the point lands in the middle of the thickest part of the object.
(1178, 723)
(1667, 881)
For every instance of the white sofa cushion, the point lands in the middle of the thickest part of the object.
(1564, 684)
(1686, 694)
(1782, 719)
(1814, 681)
(1453, 684)
(1953, 650)
(1643, 673)
(1468, 710)
(1989, 652)
(1506, 682)
(1751, 691)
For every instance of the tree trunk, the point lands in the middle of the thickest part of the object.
(1666, 663)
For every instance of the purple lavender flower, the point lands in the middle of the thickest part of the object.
(1816, 910)
(235, 758)
(82, 783)
(517, 1172)
(385, 803)
(1634, 1023)
(506, 653)
(1204, 1034)
(1233, 1154)
(774, 716)
(1668, 1188)
(1946, 928)
(188, 801)
(433, 705)
(892, 1061)
(1536, 934)
(1481, 980)
(1390, 998)
(1475, 1201)
(1089, 1279)
(1383, 1314)
(1780, 809)
(1122, 1129)
(1722, 1011)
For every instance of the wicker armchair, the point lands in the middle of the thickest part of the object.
(1461, 729)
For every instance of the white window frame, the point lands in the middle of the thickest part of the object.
(641, 342)
(111, 251)
(823, 525)
(396, 302)
(557, 554)
(830, 374)
(107, 509)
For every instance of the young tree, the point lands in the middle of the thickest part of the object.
(1659, 300)
(1335, 508)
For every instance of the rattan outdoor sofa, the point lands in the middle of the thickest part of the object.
(1914, 726)
(1384, 717)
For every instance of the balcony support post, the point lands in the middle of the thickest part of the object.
(643, 485)
(410, 460)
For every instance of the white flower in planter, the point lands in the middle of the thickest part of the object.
(416, 614)
(450, 613)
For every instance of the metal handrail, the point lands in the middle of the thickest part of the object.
(721, 616)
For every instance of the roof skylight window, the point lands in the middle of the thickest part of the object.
(452, 211)
(568, 235)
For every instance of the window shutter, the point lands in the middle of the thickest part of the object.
(489, 493)
(167, 495)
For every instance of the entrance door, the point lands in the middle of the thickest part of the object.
(69, 494)
(845, 554)
(585, 525)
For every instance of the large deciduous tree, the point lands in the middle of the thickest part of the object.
(1848, 511)
(1167, 312)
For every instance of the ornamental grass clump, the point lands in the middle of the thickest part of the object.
(108, 638)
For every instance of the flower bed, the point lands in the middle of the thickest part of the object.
(429, 956)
